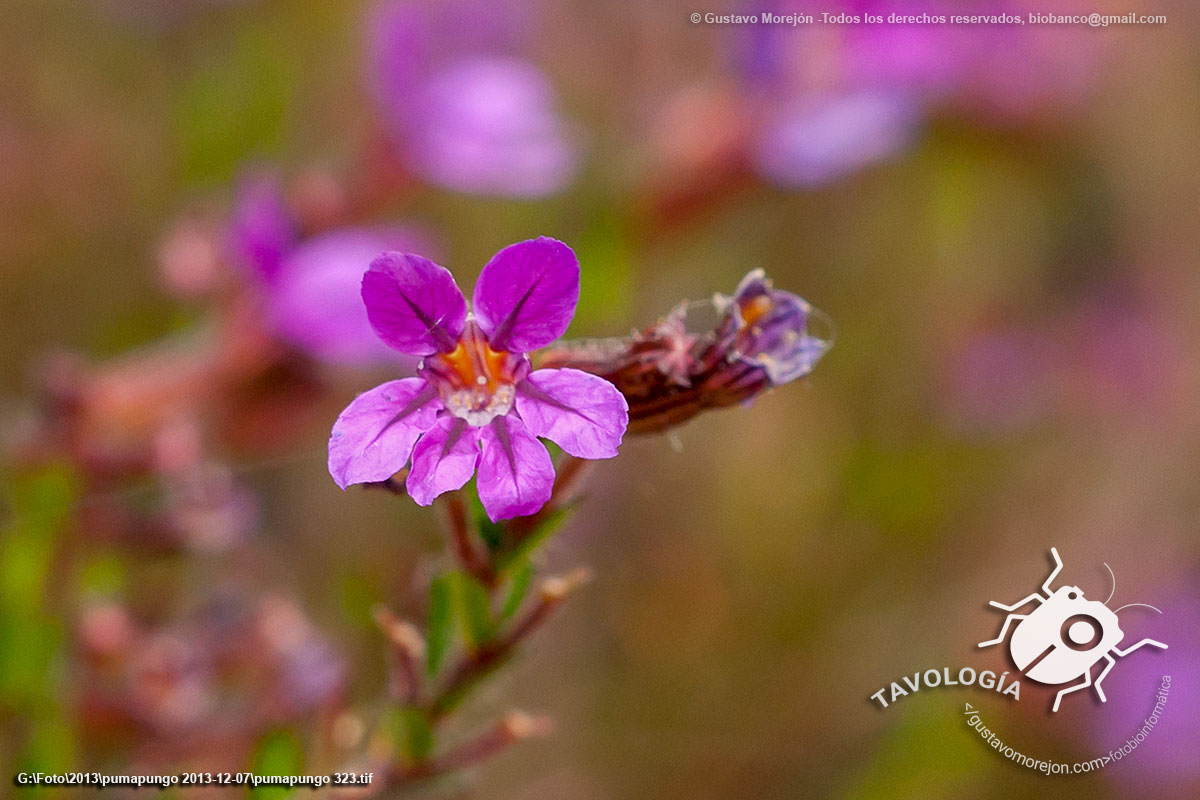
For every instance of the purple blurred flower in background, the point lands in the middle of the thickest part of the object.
(464, 110)
(818, 139)
(1122, 359)
(307, 667)
(1110, 357)
(311, 285)
(997, 381)
(833, 99)
(1167, 756)
(1023, 73)
(475, 402)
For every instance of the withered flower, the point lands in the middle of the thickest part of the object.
(670, 372)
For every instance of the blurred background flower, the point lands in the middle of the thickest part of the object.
(311, 285)
(465, 110)
(1160, 762)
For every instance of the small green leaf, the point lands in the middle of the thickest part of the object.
(441, 619)
(492, 533)
(40, 504)
(536, 537)
(234, 104)
(279, 753)
(452, 699)
(521, 577)
(476, 609)
(414, 734)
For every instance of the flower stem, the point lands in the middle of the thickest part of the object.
(408, 648)
(477, 664)
(511, 728)
(394, 484)
(467, 554)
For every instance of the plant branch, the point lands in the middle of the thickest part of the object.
(405, 655)
(477, 664)
(462, 540)
(513, 727)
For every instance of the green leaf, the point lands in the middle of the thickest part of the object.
(449, 701)
(25, 564)
(475, 605)
(441, 621)
(414, 734)
(279, 753)
(49, 747)
(535, 538)
(40, 503)
(494, 534)
(521, 577)
(31, 636)
(28, 647)
(46, 494)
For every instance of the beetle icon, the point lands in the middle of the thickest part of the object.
(1065, 636)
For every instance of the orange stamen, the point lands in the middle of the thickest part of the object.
(756, 309)
(473, 359)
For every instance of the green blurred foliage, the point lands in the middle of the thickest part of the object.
(32, 637)
(280, 753)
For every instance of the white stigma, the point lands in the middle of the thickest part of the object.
(478, 406)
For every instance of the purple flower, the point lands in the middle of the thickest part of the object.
(768, 328)
(476, 403)
(829, 101)
(311, 285)
(463, 109)
(829, 105)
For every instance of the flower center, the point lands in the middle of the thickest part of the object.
(755, 309)
(476, 383)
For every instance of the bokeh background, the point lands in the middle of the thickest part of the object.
(1001, 221)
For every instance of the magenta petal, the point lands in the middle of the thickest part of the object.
(413, 304)
(443, 460)
(526, 295)
(515, 472)
(375, 434)
(581, 413)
